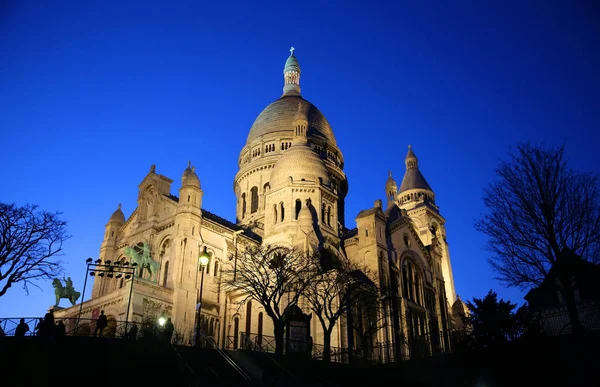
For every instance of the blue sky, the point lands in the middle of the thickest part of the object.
(92, 93)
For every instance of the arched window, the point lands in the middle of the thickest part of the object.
(248, 318)
(298, 207)
(329, 215)
(260, 327)
(243, 205)
(274, 213)
(282, 209)
(266, 188)
(166, 274)
(323, 220)
(122, 280)
(253, 200)
(216, 268)
(412, 282)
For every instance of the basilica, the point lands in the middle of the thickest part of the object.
(290, 189)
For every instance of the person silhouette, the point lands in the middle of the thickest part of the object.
(101, 323)
(39, 328)
(49, 324)
(61, 330)
(133, 331)
(168, 330)
(21, 329)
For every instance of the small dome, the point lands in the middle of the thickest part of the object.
(299, 162)
(186, 172)
(190, 178)
(291, 64)
(117, 216)
(390, 184)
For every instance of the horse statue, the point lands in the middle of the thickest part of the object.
(144, 260)
(66, 291)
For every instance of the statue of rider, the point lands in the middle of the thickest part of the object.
(68, 286)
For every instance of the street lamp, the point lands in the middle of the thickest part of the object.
(203, 260)
(110, 269)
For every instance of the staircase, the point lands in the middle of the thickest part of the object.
(34, 361)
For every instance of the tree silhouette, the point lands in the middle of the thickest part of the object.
(539, 210)
(270, 275)
(327, 293)
(30, 240)
(492, 322)
(538, 207)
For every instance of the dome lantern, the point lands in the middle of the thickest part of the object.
(291, 75)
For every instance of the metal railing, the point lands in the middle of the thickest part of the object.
(83, 327)
(205, 341)
(376, 353)
(557, 321)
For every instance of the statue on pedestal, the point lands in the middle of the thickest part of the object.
(66, 291)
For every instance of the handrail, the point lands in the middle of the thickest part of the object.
(225, 356)
(265, 353)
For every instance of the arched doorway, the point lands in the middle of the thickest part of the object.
(236, 332)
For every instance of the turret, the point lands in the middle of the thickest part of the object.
(414, 187)
(190, 193)
(391, 190)
(115, 222)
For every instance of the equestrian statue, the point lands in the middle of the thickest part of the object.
(144, 260)
(66, 291)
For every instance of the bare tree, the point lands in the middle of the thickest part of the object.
(327, 294)
(538, 209)
(30, 241)
(366, 313)
(266, 274)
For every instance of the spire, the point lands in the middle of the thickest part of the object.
(413, 178)
(411, 160)
(300, 126)
(291, 75)
(391, 189)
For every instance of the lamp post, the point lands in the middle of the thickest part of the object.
(109, 269)
(203, 260)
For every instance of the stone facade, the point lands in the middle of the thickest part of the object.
(290, 190)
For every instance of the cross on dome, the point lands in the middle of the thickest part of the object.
(292, 51)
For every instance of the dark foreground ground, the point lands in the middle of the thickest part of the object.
(564, 361)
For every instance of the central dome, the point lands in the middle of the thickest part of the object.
(277, 118)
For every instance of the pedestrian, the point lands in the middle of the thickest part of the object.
(61, 330)
(49, 324)
(21, 329)
(101, 323)
(133, 331)
(39, 328)
(168, 330)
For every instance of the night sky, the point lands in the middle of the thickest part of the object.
(92, 93)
